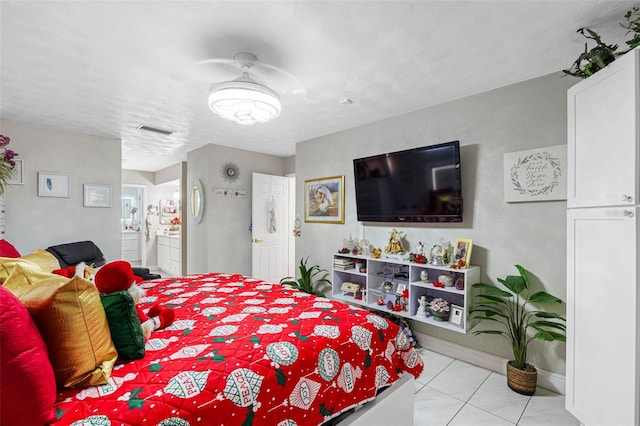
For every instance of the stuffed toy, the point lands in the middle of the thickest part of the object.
(118, 276)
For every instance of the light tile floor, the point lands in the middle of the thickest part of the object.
(454, 393)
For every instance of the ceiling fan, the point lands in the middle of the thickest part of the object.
(246, 90)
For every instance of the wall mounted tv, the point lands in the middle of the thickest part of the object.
(415, 185)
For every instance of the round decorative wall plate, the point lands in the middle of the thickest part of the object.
(230, 172)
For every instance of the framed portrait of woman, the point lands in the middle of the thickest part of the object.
(324, 200)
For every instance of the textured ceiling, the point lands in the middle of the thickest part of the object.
(104, 68)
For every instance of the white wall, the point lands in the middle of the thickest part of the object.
(222, 240)
(522, 116)
(39, 222)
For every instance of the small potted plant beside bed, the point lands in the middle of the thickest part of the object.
(311, 278)
(519, 323)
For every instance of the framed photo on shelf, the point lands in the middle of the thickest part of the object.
(17, 175)
(401, 288)
(324, 200)
(462, 250)
(53, 184)
(97, 195)
(456, 315)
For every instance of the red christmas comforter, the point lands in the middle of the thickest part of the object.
(243, 352)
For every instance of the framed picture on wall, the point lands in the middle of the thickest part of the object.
(17, 176)
(536, 174)
(52, 184)
(324, 200)
(97, 195)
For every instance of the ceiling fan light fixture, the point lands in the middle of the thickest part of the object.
(244, 101)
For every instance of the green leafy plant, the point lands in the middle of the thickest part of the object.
(309, 280)
(592, 61)
(633, 25)
(513, 310)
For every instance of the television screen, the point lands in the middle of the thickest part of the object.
(415, 185)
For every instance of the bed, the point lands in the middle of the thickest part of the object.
(246, 352)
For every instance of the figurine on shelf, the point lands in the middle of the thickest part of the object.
(365, 247)
(420, 248)
(404, 300)
(380, 300)
(448, 248)
(422, 309)
(395, 243)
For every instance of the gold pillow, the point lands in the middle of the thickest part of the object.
(72, 321)
(41, 259)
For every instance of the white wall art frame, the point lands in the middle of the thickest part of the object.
(17, 176)
(97, 195)
(536, 174)
(53, 184)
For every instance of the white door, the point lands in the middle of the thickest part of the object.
(603, 375)
(270, 227)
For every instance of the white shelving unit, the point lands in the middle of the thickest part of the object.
(397, 273)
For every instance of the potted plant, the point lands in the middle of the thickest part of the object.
(519, 323)
(439, 308)
(597, 58)
(308, 281)
(593, 60)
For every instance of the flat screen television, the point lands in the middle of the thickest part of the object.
(414, 185)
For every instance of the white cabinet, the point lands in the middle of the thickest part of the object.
(169, 254)
(602, 313)
(384, 279)
(603, 237)
(603, 151)
(131, 246)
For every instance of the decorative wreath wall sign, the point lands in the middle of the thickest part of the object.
(230, 172)
(536, 174)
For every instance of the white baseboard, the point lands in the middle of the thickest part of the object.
(546, 379)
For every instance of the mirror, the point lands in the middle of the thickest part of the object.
(197, 201)
(168, 210)
(131, 205)
(127, 206)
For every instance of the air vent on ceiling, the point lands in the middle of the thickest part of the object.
(156, 130)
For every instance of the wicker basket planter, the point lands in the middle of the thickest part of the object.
(522, 381)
